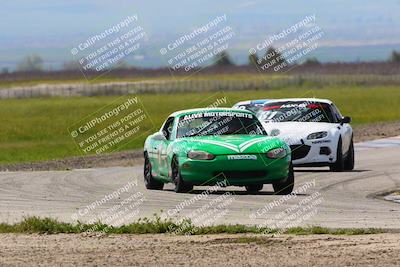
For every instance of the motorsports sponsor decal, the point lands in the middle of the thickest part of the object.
(310, 104)
(307, 111)
(216, 119)
(217, 114)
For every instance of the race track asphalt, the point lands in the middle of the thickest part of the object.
(117, 195)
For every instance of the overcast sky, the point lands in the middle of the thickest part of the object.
(52, 24)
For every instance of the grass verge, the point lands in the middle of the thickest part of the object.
(108, 79)
(157, 226)
(36, 129)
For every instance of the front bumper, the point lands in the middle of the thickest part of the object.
(237, 172)
(314, 152)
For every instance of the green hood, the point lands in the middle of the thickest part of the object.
(229, 144)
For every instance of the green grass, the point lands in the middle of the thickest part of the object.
(36, 129)
(320, 80)
(110, 79)
(158, 226)
(106, 79)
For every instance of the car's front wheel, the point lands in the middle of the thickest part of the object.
(149, 180)
(285, 187)
(254, 188)
(180, 185)
(338, 166)
(349, 162)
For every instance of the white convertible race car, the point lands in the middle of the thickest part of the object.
(315, 130)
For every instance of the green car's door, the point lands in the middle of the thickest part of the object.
(153, 152)
(163, 145)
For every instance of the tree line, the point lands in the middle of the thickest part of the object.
(34, 63)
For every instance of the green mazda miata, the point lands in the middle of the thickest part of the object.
(216, 146)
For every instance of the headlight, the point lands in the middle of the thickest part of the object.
(317, 135)
(276, 153)
(201, 155)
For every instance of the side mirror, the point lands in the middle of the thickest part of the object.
(346, 119)
(159, 136)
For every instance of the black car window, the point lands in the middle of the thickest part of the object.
(336, 112)
(167, 128)
(219, 123)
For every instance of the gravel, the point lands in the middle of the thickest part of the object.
(212, 250)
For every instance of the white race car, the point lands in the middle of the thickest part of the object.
(315, 130)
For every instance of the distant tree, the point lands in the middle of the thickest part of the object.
(272, 58)
(5, 70)
(70, 65)
(31, 63)
(122, 65)
(223, 59)
(253, 59)
(395, 56)
(311, 61)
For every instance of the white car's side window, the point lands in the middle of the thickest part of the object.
(336, 112)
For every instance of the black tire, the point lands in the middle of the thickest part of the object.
(180, 185)
(149, 180)
(349, 162)
(254, 188)
(285, 187)
(338, 166)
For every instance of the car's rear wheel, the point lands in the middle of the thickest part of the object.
(338, 166)
(285, 187)
(149, 180)
(349, 162)
(180, 185)
(254, 188)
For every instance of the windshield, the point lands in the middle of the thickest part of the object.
(219, 123)
(299, 111)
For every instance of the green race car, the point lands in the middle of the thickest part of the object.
(216, 146)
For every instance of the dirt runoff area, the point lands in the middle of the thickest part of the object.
(376, 131)
(211, 250)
